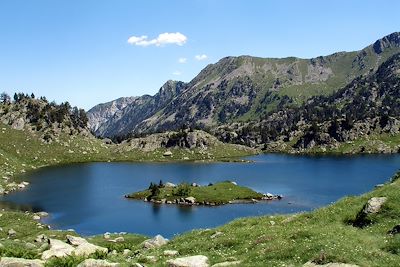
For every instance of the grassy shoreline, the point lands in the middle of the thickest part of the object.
(323, 235)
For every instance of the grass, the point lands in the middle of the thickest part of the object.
(322, 236)
(21, 151)
(219, 193)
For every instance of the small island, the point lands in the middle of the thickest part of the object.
(193, 194)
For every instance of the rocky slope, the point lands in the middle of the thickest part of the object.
(121, 116)
(366, 108)
(245, 88)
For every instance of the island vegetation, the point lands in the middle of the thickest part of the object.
(226, 192)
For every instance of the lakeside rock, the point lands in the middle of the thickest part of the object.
(365, 215)
(97, 263)
(155, 242)
(19, 262)
(191, 261)
(58, 249)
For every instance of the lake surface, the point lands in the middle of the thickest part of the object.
(90, 197)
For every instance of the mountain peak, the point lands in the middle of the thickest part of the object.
(391, 40)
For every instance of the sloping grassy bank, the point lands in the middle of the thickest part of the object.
(324, 235)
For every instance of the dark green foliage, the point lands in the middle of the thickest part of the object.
(182, 190)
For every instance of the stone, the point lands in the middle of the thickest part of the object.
(168, 184)
(216, 234)
(126, 252)
(227, 264)
(30, 246)
(18, 124)
(42, 214)
(107, 235)
(97, 263)
(395, 230)
(36, 217)
(167, 154)
(234, 183)
(374, 205)
(170, 253)
(19, 262)
(190, 200)
(155, 242)
(75, 240)
(85, 249)
(365, 215)
(119, 239)
(12, 233)
(191, 261)
(57, 249)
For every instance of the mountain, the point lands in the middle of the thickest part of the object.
(121, 116)
(367, 110)
(246, 88)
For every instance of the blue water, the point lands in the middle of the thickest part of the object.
(89, 197)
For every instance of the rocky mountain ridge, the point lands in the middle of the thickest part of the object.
(368, 106)
(246, 88)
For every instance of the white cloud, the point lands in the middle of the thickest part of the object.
(182, 60)
(201, 57)
(177, 73)
(162, 39)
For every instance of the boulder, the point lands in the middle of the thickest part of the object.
(97, 263)
(119, 239)
(170, 253)
(42, 214)
(75, 240)
(216, 234)
(168, 184)
(227, 264)
(36, 217)
(41, 238)
(395, 230)
(365, 215)
(167, 154)
(155, 242)
(12, 233)
(85, 249)
(107, 235)
(190, 200)
(57, 249)
(374, 205)
(18, 124)
(192, 261)
(19, 262)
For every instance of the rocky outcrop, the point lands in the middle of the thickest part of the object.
(58, 249)
(192, 261)
(155, 242)
(366, 214)
(121, 116)
(77, 246)
(182, 139)
(97, 263)
(18, 262)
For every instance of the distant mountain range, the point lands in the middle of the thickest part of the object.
(238, 90)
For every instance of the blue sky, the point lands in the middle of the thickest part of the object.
(78, 50)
